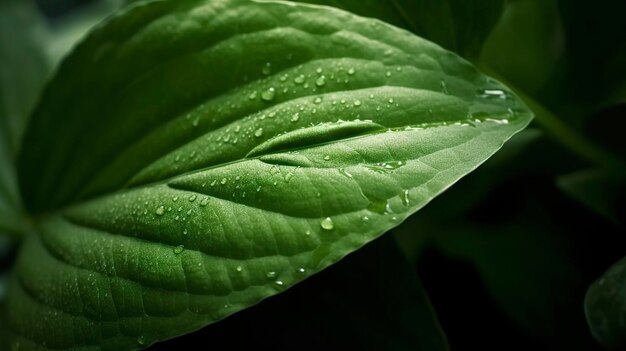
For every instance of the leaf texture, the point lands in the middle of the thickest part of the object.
(194, 157)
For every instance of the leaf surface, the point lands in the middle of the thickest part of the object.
(208, 154)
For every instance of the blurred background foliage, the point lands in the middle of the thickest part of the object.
(508, 254)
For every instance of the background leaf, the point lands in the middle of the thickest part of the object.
(24, 68)
(461, 26)
(605, 306)
(214, 160)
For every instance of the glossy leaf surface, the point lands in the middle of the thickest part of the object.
(208, 154)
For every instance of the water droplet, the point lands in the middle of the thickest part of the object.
(492, 94)
(160, 211)
(272, 114)
(351, 71)
(365, 218)
(193, 198)
(319, 70)
(288, 177)
(141, 340)
(269, 94)
(258, 133)
(444, 87)
(223, 181)
(327, 224)
(271, 275)
(253, 95)
(345, 173)
(179, 249)
(301, 270)
(279, 283)
(307, 233)
(386, 167)
(357, 103)
(258, 189)
(299, 79)
(189, 213)
(321, 81)
(318, 100)
(391, 100)
(295, 117)
(214, 182)
(267, 69)
(388, 74)
(327, 158)
(185, 232)
(405, 198)
(239, 269)
(175, 198)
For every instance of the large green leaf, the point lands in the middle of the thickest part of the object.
(208, 154)
(458, 25)
(23, 70)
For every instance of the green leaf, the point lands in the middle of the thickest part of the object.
(598, 189)
(373, 309)
(605, 307)
(208, 154)
(527, 46)
(458, 25)
(24, 70)
(71, 28)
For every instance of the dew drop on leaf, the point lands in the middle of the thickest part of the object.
(327, 224)
(179, 249)
(267, 69)
(204, 202)
(192, 198)
(288, 177)
(351, 71)
(492, 94)
(160, 211)
(357, 103)
(318, 100)
(321, 81)
(258, 133)
(271, 275)
(299, 79)
(269, 94)
(405, 198)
